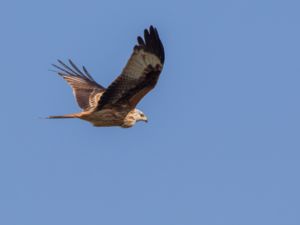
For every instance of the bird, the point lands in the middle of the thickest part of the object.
(116, 104)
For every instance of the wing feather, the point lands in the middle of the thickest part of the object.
(85, 89)
(140, 75)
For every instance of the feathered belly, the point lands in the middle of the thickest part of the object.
(104, 118)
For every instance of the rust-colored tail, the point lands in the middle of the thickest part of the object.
(73, 115)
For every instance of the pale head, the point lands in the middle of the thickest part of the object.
(139, 115)
(134, 116)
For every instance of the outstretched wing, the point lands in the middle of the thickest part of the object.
(140, 75)
(85, 89)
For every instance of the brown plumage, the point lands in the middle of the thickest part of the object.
(115, 105)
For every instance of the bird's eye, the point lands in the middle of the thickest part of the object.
(142, 115)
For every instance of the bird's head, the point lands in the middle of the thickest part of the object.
(140, 116)
(132, 117)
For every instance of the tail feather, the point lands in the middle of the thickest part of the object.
(73, 115)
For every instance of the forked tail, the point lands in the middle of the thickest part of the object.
(73, 115)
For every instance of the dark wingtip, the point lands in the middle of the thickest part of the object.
(71, 62)
(87, 73)
(59, 68)
(140, 41)
(152, 42)
(152, 29)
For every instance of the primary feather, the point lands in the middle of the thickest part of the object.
(139, 75)
(85, 89)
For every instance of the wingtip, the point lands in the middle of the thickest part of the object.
(140, 40)
(152, 28)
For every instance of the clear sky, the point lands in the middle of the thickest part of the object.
(222, 144)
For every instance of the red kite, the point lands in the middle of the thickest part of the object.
(115, 105)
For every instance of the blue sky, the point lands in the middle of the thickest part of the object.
(222, 144)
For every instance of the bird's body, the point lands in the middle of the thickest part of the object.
(108, 117)
(116, 105)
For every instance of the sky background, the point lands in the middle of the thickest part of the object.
(222, 144)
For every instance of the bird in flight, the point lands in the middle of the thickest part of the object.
(116, 104)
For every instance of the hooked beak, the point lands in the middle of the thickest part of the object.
(146, 120)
